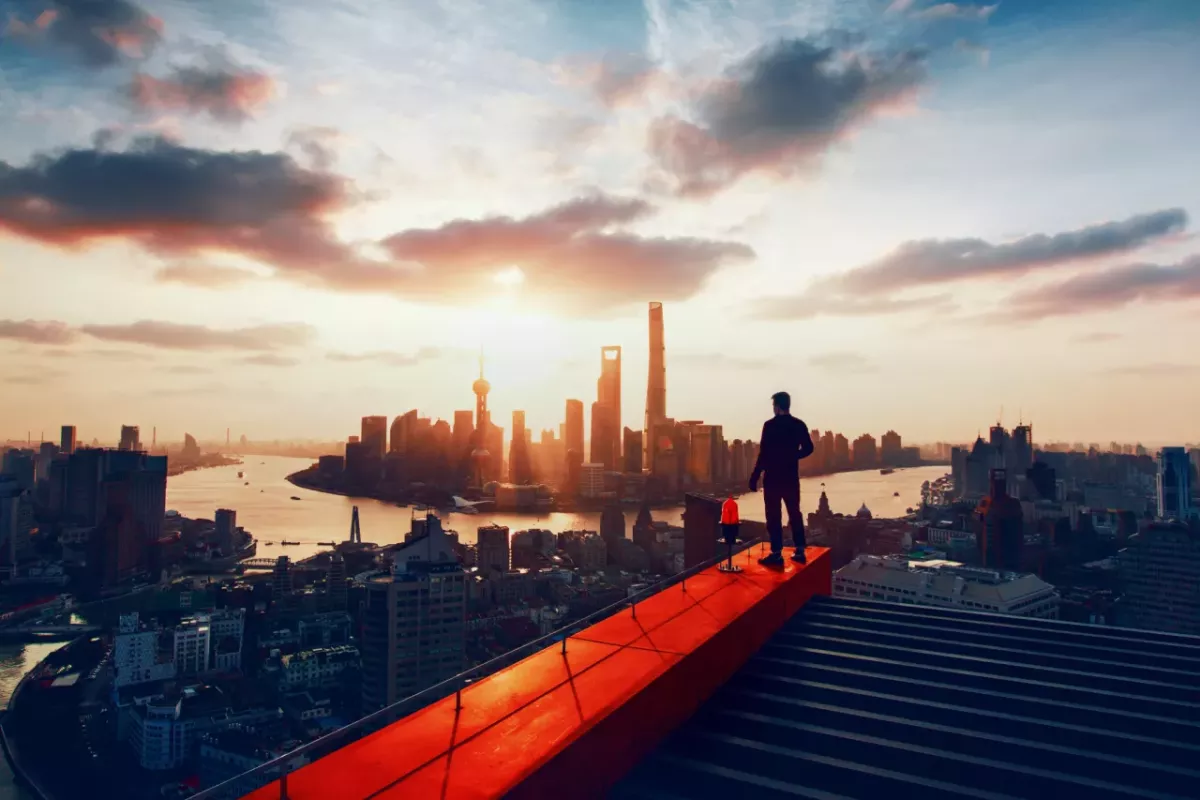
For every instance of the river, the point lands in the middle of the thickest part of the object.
(15, 661)
(262, 499)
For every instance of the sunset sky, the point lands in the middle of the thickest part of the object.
(281, 216)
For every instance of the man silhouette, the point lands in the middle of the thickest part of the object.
(785, 440)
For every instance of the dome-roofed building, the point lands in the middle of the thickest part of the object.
(864, 512)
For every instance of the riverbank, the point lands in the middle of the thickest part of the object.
(210, 461)
(302, 479)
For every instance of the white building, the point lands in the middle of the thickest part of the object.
(312, 669)
(225, 633)
(193, 641)
(165, 731)
(136, 655)
(591, 480)
(946, 583)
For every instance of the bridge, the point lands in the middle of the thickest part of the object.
(44, 630)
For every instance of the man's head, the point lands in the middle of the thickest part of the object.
(782, 402)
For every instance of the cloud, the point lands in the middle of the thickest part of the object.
(205, 276)
(176, 200)
(36, 332)
(316, 143)
(1096, 337)
(40, 377)
(899, 6)
(271, 360)
(177, 336)
(389, 357)
(982, 52)
(843, 363)
(809, 306)
(187, 369)
(1109, 289)
(225, 92)
(778, 111)
(957, 11)
(98, 33)
(936, 261)
(619, 80)
(719, 360)
(568, 253)
(1157, 369)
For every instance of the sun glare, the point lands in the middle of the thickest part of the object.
(510, 277)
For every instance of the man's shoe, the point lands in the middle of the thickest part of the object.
(800, 557)
(772, 560)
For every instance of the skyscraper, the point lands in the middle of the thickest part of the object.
(374, 435)
(131, 438)
(16, 521)
(632, 460)
(1160, 579)
(1174, 484)
(520, 470)
(1000, 530)
(464, 427)
(481, 388)
(573, 427)
(414, 620)
(492, 548)
(656, 385)
(67, 442)
(606, 412)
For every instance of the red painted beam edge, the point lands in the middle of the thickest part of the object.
(592, 764)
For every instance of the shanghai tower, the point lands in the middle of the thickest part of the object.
(656, 385)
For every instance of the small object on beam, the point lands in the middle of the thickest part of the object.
(730, 523)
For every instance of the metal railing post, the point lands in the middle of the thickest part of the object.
(283, 795)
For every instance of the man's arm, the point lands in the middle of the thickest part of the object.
(806, 443)
(758, 462)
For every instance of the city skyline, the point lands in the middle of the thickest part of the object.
(531, 189)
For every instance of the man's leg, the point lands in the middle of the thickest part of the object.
(772, 499)
(791, 499)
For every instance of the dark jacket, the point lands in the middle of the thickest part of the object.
(785, 440)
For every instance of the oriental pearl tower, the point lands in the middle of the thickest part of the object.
(480, 457)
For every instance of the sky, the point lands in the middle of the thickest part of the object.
(280, 217)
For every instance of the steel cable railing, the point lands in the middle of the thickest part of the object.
(279, 768)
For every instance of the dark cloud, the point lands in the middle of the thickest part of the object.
(178, 200)
(177, 336)
(36, 331)
(205, 276)
(936, 261)
(568, 253)
(271, 360)
(389, 357)
(225, 92)
(957, 11)
(99, 33)
(778, 111)
(843, 363)
(1109, 289)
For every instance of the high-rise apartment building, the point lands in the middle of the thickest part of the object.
(656, 386)
(414, 620)
(573, 427)
(402, 431)
(131, 438)
(865, 454)
(16, 522)
(606, 411)
(1174, 484)
(492, 548)
(591, 480)
(890, 447)
(464, 428)
(374, 435)
(67, 441)
(1000, 524)
(632, 460)
(1159, 571)
(520, 469)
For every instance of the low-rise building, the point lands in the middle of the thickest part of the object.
(311, 669)
(138, 654)
(946, 583)
(165, 731)
(231, 752)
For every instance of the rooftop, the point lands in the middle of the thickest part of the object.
(759, 684)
